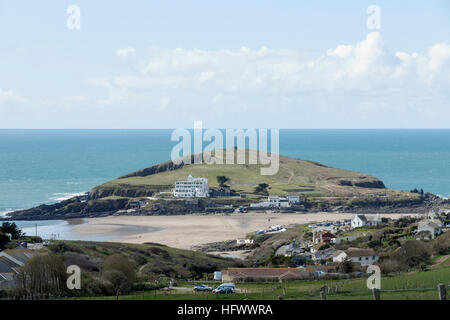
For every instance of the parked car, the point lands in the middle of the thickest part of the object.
(202, 287)
(224, 288)
(46, 243)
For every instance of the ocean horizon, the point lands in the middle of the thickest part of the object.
(44, 166)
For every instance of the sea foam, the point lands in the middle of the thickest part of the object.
(65, 196)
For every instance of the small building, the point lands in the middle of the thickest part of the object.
(272, 202)
(289, 250)
(318, 246)
(217, 276)
(428, 227)
(134, 204)
(213, 193)
(9, 269)
(10, 262)
(343, 239)
(359, 220)
(244, 241)
(322, 236)
(364, 257)
(325, 254)
(293, 198)
(270, 274)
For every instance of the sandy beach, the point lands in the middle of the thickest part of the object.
(186, 231)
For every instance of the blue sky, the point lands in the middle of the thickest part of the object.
(283, 64)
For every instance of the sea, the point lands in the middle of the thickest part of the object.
(46, 166)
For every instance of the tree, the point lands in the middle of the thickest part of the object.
(346, 266)
(411, 254)
(4, 240)
(11, 228)
(222, 180)
(119, 272)
(262, 188)
(44, 273)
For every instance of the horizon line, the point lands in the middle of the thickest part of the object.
(205, 128)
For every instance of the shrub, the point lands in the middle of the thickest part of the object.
(441, 245)
(119, 272)
(389, 266)
(99, 288)
(411, 254)
(62, 247)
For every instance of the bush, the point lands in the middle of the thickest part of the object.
(99, 288)
(441, 245)
(389, 266)
(412, 254)
(62, 247)
(119, 272)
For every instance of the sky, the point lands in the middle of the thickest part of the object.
(231, 64)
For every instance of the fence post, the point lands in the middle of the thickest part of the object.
(323, 293)
(442, 291)
(376, 294)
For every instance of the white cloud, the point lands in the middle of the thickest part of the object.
(10, 96)
(368, 65)
(362, 82)
(351, 85)
(129, 51)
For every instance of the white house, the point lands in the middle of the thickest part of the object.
(361, 220)
(429, 227)
(364, 257)
(272, 202)
(193, 187)
(293, 198)
(244, 241)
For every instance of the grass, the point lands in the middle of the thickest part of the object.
(150, 258)
(299, 175)
(408, 286)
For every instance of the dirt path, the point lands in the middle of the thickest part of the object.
(440, 261)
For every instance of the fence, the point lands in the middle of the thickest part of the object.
(377, 293)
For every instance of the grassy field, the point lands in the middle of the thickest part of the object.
(409, 286)
(294, 175)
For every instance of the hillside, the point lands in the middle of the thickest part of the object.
(294, 175)
(323, 188)
(151, 259)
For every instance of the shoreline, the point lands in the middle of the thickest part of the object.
(188, 231)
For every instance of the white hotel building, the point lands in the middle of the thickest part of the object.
(193, 187)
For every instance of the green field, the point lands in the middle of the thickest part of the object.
(410, 286)
(294, 175)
